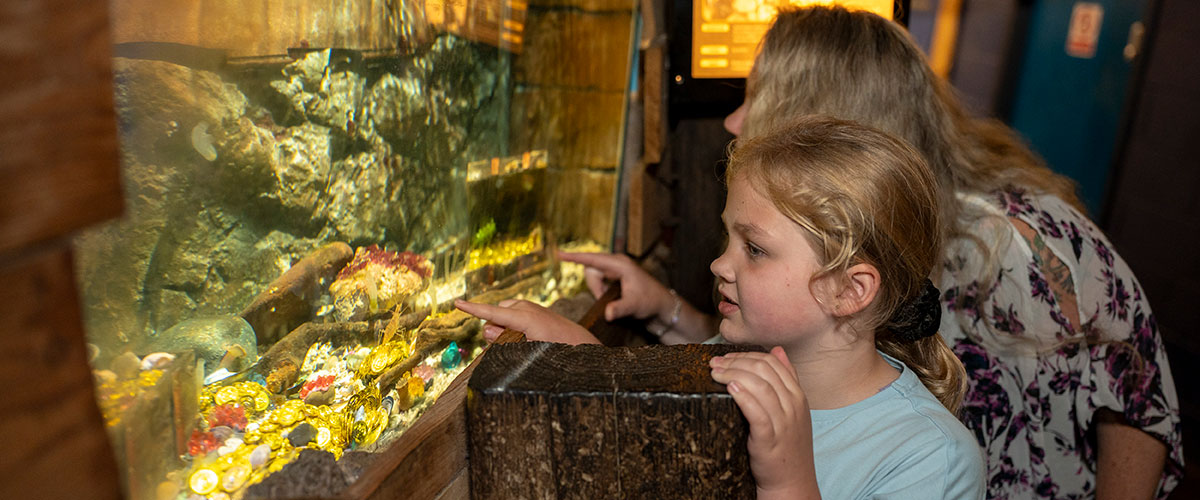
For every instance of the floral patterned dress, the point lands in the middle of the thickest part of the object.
(1064, 331)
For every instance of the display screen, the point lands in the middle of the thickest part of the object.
(725, 33)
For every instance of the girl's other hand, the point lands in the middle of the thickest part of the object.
(766, 388)
(642, 296)
(536, 322)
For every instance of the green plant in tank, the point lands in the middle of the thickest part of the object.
(484, 235)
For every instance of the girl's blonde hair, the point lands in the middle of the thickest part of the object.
(864, 197)
(859, 66)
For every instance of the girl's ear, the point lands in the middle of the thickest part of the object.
(858, 290)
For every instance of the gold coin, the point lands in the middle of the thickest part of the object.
(378, 363)
(234, 478)
(226, 395)
(203, 481)
(286, 416)
(323, 436)
(274, 441)
(262, 401)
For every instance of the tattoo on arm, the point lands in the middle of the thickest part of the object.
(1057, 274)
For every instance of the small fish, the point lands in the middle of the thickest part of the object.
(234, 359)
(218, 375)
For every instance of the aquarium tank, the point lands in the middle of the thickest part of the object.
(309, 185)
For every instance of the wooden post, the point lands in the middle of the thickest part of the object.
(556, 421)
(58, 173)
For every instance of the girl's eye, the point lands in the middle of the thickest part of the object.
(754, 251)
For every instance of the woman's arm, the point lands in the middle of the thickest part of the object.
(1129, 462)
(693, 327)
(643, 297)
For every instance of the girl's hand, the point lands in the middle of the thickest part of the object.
(767, 390)
(642, 296)
(536, 322)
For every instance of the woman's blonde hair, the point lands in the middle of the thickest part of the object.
(861, 67)
(864, 197)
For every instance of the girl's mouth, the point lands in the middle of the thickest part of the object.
(727, 307)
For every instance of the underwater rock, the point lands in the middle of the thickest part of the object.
(260, 455)
(321, 90)
(206, 237)
(126, 366)
(221, 432)
(209, 338)
(351, 209)
(302, 168)
(320, 397)
(104, 377)
(302, 434)
(291, 299)
(394, 106)
(153, 95)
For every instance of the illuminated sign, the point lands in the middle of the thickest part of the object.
(725, 33)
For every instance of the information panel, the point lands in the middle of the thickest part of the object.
(725, 33)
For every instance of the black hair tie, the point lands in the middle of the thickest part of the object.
(920, 317)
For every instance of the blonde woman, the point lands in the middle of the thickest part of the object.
(1070, 392)
(833, 230)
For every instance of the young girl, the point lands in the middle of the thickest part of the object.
(832, 230)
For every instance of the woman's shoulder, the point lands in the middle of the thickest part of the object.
(1037, 220)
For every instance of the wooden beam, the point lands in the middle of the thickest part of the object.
(602, 422)
(55, 442)
(59, 169)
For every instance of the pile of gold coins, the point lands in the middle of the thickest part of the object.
(504, 251)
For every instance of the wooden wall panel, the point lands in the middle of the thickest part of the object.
(262, 28)
(55, 445)
(58, 173)
(58, 137)
(578, 50)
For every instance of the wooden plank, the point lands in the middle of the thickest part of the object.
(649, 210)
(59, 168)
(654, 102)
(580, 128)
(459, 488)
(500, 23)
(55, 443)
(556, 421)
(254, 29)
(593, 6)
(577, 50)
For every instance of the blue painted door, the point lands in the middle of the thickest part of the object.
(1071, 91)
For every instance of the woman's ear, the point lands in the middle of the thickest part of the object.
(858, 290)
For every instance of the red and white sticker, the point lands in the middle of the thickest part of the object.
(1084, 31)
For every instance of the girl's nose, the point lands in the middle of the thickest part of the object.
(720, 269)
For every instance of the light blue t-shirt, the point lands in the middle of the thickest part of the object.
(900, 443)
